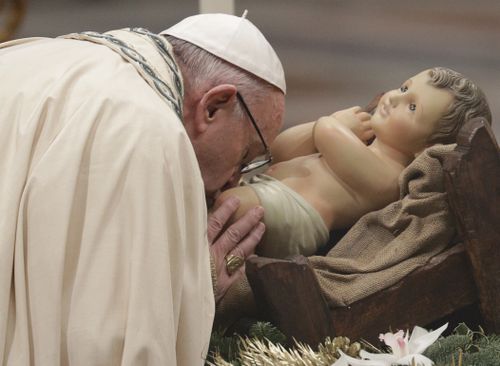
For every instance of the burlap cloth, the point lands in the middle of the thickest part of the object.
(382, 247)
(386, 245)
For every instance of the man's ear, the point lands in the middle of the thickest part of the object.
(217, 102)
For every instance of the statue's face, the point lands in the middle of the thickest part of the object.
(406, 117)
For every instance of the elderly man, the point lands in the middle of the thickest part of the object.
(110, 146)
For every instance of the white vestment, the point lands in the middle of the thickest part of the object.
(103, 252)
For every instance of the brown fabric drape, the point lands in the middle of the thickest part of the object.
(386, 245)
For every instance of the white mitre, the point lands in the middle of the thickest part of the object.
(235, 40)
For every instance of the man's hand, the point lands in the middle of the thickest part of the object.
(239, 239)
(357, 121)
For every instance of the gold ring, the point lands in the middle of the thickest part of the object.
(233, 262)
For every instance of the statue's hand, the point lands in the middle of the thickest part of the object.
(239, 239)
(357, 121)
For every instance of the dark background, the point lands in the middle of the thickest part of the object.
(336, 53)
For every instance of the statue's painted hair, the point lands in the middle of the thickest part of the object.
(469, 101)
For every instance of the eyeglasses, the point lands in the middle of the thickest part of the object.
(267, 155)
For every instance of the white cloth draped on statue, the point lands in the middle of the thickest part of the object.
(103, 252)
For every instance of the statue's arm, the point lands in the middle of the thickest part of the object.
(300, 141)
(349, 158)
(293, 142)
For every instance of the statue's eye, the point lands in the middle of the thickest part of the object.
(412, 107)
(403, 88)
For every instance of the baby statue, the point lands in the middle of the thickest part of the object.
(324, 175)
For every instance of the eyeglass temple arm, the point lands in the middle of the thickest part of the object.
(240, 98)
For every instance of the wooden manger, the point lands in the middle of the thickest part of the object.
(287, 291)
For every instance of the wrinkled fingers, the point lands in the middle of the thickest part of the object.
(236, 258)
(247, 246)
(219, 218)
(240, 229)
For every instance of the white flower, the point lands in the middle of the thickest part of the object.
(404, 351)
